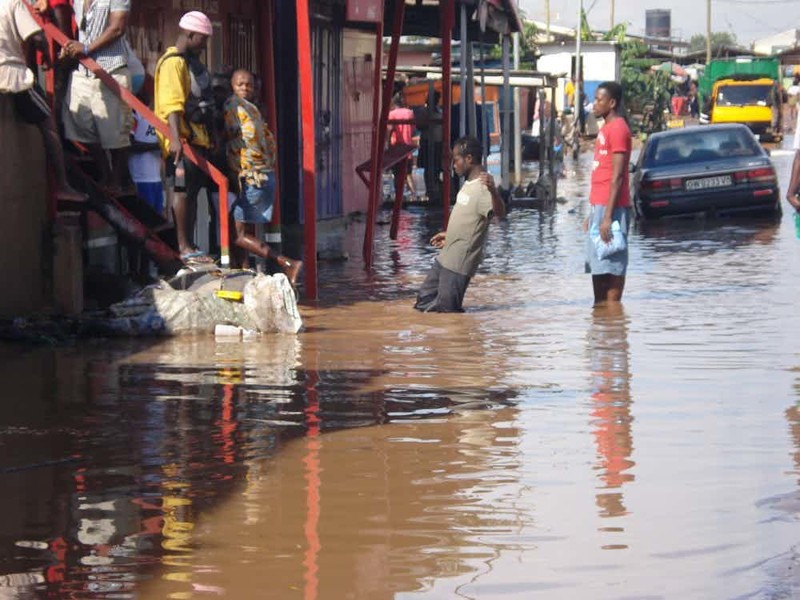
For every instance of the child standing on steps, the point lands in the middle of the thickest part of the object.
(251, 160)
(144, 162)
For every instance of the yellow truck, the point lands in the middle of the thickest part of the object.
(751, 99)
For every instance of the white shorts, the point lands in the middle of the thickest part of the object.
(93, 114)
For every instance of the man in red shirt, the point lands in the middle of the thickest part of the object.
(610, 197)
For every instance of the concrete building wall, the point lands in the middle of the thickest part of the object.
(778, 42)
(25, 262)
(600, 61)
(358, 69)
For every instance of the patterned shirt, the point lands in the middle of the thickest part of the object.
(251, 145)
(92, 17)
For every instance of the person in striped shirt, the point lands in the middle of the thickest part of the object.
(92, 114)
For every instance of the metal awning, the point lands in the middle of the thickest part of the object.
(517, 78)
(423, 18)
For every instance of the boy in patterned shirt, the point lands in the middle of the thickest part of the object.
(251, 159)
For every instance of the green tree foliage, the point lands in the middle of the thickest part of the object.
(718, 39)
(587, 34)
(644, 90)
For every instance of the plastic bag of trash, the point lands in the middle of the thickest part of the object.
(269, 305)
(194, 312)
(272, 304)
(606, 249)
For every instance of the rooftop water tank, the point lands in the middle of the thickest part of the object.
(658, 23)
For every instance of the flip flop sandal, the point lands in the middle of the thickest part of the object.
(198, 256)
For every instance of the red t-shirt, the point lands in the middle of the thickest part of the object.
(401, 132)
(54, 3)
(614, 137)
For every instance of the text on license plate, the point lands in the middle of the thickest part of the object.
(709, 182)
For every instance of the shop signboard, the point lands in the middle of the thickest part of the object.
(370, 11)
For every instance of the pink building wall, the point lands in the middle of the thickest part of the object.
(358, 71)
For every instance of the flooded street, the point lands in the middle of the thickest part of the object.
(531, 447)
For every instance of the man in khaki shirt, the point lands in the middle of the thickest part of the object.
(463, 243)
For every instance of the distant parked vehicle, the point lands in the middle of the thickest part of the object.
(744, 89)
(720, 169)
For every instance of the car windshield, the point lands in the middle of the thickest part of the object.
(700, 144)
(744, 95)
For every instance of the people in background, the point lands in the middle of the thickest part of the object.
(145, 162)
(188, 113)
(92, 114)
(17, 27)
(792, 99)
(430, 146)
(251, 160)
(463, 243)
(401, 131)
(693, 100)
(569, 92)
(793, 190)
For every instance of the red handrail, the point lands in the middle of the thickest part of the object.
(53, 33)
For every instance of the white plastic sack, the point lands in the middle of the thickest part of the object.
(606, 249)
(271, 304)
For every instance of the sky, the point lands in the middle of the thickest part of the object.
(749, 20)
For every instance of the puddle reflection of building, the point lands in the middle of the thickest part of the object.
(367, 512)
(240, 385)
(611, 406)
(119, 451)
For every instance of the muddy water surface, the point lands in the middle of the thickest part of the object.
(532, 447)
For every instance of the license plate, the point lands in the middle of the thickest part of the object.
(675, 123)
(709, 182)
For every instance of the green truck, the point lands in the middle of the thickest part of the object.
(744, 90)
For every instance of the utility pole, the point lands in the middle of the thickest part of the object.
(612, 16)
(708, 32)
(547, 18)
(576, 117)
(578, 32)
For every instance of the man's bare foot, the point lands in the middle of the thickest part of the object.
(291, 268)
(69, 194)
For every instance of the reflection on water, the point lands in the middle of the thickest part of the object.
(387, 454)
(380, 511)
(611, 398)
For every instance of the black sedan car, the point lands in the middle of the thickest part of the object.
(711, 169)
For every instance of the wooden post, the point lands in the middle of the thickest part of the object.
(309, 158)
(267, 27)
(377, 149)
(379, 136)
(447, 17)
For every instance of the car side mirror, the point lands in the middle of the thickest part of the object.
(632, 167)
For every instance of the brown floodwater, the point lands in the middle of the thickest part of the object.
(531, 447)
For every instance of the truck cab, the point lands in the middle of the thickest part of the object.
(752, 102)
